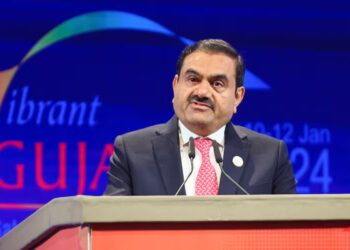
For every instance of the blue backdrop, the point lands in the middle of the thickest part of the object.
(75, 74)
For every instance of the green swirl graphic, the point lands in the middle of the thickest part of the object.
(97, 21)
(86, 23)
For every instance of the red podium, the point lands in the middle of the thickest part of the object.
(164, 222)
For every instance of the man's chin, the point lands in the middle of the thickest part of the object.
(202, 123)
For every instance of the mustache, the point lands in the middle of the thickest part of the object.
(204, 100)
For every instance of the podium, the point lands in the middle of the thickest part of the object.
(184, 222)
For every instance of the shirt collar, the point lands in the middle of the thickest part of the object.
(218, 135)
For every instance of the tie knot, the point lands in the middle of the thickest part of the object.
(203, 145)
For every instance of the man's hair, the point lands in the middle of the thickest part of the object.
(214, 46)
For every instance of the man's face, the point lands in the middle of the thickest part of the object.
(205, 96)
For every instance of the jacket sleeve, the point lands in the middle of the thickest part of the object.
(284, 182)
(119, 180)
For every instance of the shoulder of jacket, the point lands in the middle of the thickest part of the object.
(252, 135)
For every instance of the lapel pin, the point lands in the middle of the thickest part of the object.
(237, 161)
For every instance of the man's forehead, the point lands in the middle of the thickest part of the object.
(212, 63)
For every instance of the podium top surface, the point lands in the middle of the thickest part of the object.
(80, 210)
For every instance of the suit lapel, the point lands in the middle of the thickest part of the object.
(167, 155)
(236, 144)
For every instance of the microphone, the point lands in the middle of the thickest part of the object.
(191, 155)
(191, 150)
(219, 160)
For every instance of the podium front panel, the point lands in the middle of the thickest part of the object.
(222, 235)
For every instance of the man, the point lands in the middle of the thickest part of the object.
(208, 88)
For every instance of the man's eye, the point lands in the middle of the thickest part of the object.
(192, 79)
(218, 84)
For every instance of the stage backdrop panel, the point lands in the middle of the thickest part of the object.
(75, 75)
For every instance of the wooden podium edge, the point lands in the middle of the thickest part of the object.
(79, 210)
(57, 213)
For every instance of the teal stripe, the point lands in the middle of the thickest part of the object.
(96, 21)
(109, 20)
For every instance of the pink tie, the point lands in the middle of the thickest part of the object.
(206, 182)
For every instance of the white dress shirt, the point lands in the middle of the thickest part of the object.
(184, 136)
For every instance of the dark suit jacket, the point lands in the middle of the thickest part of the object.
(148, 162)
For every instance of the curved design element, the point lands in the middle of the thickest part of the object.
(251, 81)
(96, 21)
(103, 20)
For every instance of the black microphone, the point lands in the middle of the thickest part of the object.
(191, 150)
(191, 155)
(219, 160)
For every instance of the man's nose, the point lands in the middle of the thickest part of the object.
(203, 89)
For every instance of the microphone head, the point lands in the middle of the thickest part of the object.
(191, 150)
(217, 154)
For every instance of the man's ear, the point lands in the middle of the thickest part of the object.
(175, 80)
(238, 97)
